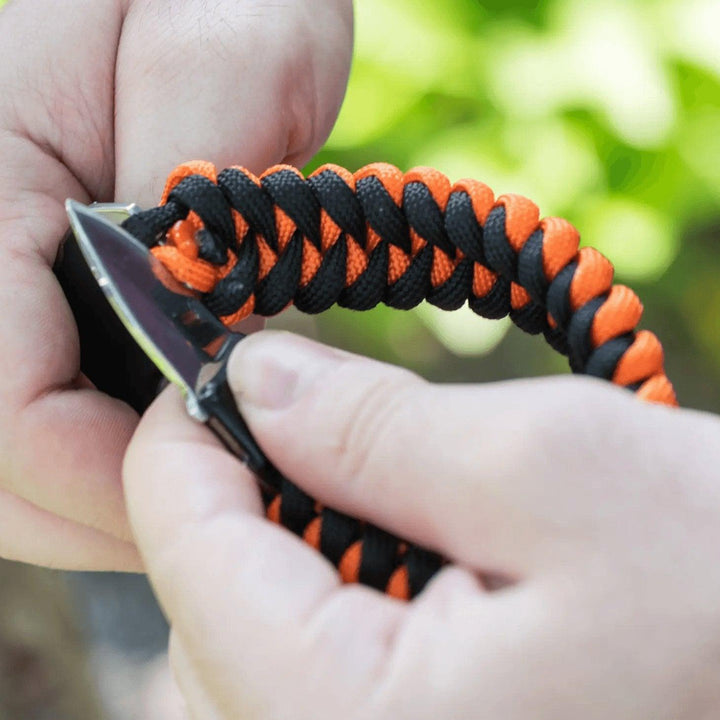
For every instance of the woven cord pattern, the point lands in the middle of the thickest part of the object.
(252, 244)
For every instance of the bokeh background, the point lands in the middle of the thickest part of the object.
(606, 112)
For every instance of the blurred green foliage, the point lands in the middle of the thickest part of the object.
(606, 112)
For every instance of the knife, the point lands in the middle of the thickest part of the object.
(184, 340)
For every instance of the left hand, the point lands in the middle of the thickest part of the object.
(602, 510)
(102, 99)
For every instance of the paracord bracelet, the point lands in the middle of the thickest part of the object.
(257, 245)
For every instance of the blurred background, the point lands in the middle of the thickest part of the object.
(604, 112)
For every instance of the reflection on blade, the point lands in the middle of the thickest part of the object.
(172, 326)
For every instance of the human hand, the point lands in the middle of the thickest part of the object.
(101, 99)
(602, 513)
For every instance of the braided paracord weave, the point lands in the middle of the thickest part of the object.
(257, 245)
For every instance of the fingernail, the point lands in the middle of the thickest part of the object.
(272, 370)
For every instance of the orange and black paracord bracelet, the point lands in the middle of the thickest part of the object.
(256, 245)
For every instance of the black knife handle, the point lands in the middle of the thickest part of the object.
(224, 419)
(109, 356)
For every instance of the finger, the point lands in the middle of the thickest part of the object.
(193, 689)
(67, 458)
(32, 535)
(60, 447)
(56, 100)
(466, 470)
(215, 563)
(465, 654)
(241, 83)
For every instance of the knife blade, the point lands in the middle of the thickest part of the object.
(186, 342)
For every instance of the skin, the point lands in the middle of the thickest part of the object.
(602, 514)
(103, 101)
(600, 511)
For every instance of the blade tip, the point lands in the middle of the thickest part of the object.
(76, 206)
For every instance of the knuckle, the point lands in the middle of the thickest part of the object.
(293, 60)
(369, 434)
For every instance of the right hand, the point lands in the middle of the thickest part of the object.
(101, 99)
(602, 511)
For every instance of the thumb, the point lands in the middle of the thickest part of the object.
(437, 465)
